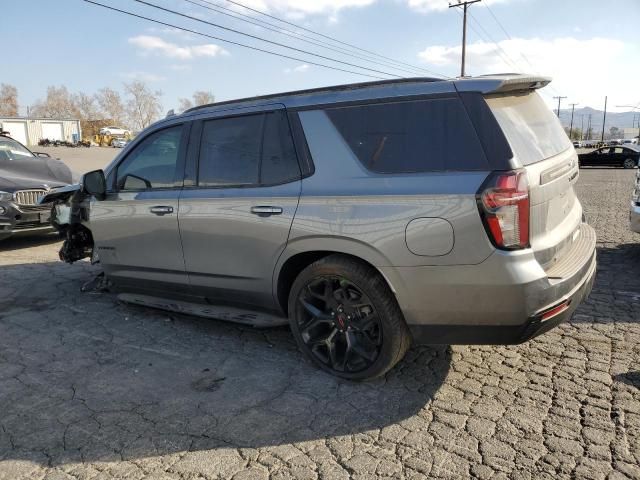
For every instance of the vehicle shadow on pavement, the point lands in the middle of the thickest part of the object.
(616, 293)
(630, 378)
(84, 378)
(24, 241)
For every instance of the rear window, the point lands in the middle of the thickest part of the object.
(532, 129)
(410, 137)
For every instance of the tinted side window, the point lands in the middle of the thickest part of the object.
(152, 163)
(230, 151)
(247, 151)
(279, 161)
(406, 137)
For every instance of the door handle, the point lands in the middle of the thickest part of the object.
(161, 210)
(266, 211)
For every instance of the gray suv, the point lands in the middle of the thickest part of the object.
(368, 216)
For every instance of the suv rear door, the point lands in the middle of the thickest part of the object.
(542, 148)
(235, 220)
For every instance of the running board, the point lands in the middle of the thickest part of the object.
(219, 312)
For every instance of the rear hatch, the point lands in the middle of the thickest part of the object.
(541, 147)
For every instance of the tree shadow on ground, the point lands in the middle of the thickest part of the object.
(84, 378)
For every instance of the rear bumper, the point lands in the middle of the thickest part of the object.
(634, 217)
(500, 301)
(505, 334)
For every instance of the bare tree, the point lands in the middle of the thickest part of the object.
(143, 105)
(184, 104)
(8, 100)
(57, 104)
(86, 106)
(203, 98)
(111, 106)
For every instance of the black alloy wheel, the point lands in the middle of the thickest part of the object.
(345, 318)
(340, 325)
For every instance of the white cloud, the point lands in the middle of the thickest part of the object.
(585, 70)
(302, 8)
(299, 69)
(426, 6)
(142, 76)
(152, 44)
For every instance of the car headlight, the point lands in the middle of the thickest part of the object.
(6, 196)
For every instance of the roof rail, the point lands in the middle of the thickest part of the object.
(335, 88)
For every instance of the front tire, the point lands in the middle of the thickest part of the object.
(346, 320)
(629, 163)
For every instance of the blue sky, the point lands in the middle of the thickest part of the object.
(591, 48)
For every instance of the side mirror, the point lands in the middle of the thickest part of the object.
(94, 183)
(42, 155)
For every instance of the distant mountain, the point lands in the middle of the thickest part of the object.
(614, 119)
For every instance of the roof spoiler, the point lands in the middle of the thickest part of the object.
(511, 82)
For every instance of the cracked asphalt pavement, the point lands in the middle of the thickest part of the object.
(94, 389)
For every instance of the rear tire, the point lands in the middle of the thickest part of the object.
(346, 320)
(629, 163)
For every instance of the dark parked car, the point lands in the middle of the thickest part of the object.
(624, 156)
(24, 178)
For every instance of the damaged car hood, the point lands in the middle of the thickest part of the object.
(34, 172)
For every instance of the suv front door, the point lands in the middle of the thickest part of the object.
(135, 228)
(235, 222)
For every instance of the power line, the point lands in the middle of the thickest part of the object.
(283, 30)
(289, 33)
(256, 37)
(499, 50)
(328, 37)
(231, 42)
(509, 59)
(522, 55)
(507, 34)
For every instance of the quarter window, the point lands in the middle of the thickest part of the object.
(152, 163)
(414, 136)
(249, 150)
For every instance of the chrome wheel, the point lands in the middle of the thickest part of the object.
(339, 324)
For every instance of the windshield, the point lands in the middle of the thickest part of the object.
(532, 129)
(12, 150)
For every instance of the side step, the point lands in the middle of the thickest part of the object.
(219, 312)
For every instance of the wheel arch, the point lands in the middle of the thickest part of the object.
(301, 254)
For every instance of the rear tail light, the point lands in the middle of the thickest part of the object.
(504, 207)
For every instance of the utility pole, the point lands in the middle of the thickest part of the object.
(589, 128)
(581, 127)
(559, 99)
(604, 118)
(573, 106)
(465, 6)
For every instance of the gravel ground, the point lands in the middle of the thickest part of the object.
(93, 389)
(82, 159)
